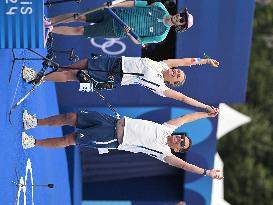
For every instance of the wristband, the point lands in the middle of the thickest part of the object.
(76, 16)
(109, 3)
(205, 172)
(194, 60)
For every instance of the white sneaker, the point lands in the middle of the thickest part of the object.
(27, 141)
(29, 74)
(30, 121)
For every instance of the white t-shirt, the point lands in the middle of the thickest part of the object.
(147, 137)
(152, 79)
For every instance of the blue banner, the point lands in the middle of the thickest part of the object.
(21, 24)
(222, 30)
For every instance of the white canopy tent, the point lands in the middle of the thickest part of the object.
(228, 120)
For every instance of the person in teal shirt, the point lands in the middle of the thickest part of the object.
(150, 22)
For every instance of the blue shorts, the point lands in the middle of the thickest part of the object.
(103, 27)
(109, 68)
(96, 130)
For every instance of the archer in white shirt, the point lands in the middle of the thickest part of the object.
(153, 75)
(96, 130)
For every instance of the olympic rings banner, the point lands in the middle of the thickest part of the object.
(110, 46)
(84, 46)
(21, 24)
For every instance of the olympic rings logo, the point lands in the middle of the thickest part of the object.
(108, 44)
(24, 188)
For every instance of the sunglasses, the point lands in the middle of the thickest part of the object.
(182, 143)
(184, 17)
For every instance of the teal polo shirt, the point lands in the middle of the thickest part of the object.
(146, 21)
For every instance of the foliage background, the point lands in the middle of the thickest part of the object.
(247, 152)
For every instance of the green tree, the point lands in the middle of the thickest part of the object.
(247, 152)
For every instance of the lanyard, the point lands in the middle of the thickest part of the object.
(108, 104)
